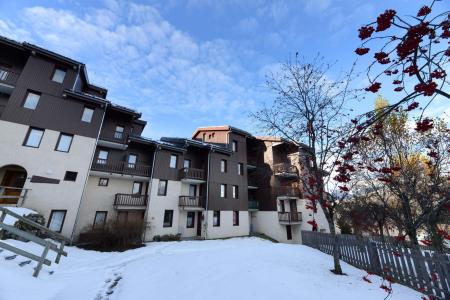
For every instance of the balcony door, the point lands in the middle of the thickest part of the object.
(192, 190)
(293, 205)
(137, 188)
(118, 134)
(132, 159)
(14, 179)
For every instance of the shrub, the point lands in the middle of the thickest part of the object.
(114, 236)
(167, 237)
(37, 218)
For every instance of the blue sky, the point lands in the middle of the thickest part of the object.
(192, 63)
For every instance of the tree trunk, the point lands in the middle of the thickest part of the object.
(381, 229)
(436, 239)
(337, 264)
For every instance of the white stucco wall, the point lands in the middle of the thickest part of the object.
(226, 228)
(45, 161)
(266, 222)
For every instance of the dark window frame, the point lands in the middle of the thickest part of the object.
(235, 218)
(103, 161)
(171, 218)
(225, 190)
(131, 165)
(192, 213)
(59, 140)
(54, 72)
(95, 218)
(27, 136)
(241, 169)
(218, 218)
(51, 216)
(176, 161)
(82, 113)
(165, 187)
(68, 174)
(234, 146)
(224, 163)
(100, 180)
(26, 97)
(141, 187)
(189, 163)
(235, 191)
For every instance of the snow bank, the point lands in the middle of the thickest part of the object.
(18, 210)
(240, 268)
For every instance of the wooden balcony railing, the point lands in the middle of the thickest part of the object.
(289, 217)
(191, 201)
(191, 173)
(285, 168)
(130, 200)
(287, 191)
(114, 136)
(13, 195)
(253, 204)
(121, 167)
(8, 76)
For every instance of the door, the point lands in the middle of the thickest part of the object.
(199, 223)
(288, 232)
(13, 179)
(293, 208)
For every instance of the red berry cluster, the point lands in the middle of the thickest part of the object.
(362, 51)
(412, 40)
(365, 32)
(428, 89)
(374, 87)
(382, 58)
(384, 20)
(423, 11)
(424, 125)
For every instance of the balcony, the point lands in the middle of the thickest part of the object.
(191, 175)
(130, 201)
(253, 205)
(285, 170)
(287, 192)
(191, 203)
(8, 80)
(14, 196)
(251, 162)
(252, 183)
(289, 218)
(113, 139)
(121, 167)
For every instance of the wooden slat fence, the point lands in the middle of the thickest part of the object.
(423, 270)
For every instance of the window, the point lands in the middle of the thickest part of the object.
(235, 218)
(223, 190)
(100, 219)
(216, 218)
(190, 219)
(70, 176)
(162, 187)
(58, 75)
(234, 146)
(240, 168)
(64, 142)
(168, 216)
(31, 100)
(235, 192)
(34, 137)
(118, 134)
(56, 220)
(102, 157)
(87, 115)
(223, 166)
(173, 161)
(132, 159)
(103, 182)
(187, 163)
(137, 188)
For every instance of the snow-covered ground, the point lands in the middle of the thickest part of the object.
(240, 268)
(18, 210)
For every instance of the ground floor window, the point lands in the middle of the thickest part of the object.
(216, 218)
(100, 219)
(235, 218)
(190, 219)
(168, 217)
(56, 220)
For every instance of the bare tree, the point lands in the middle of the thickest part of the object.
(309, 109)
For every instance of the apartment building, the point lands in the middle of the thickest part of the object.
(79, 160)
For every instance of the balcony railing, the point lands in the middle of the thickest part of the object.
(121, 167)
(287, 191)
(191, 201)
(289, 217)
(285, 169)
(114, 136)
(13, 195)
(251, 161)
(191, 173)
(8, 76)
(130, 200)
(253, 204)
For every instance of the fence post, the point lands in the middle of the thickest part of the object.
(375, 265)
(60, 251)
(41, 261)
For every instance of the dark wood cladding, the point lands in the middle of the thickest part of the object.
(8, 76)
(53, 110)
(191, 173)
(130, 200)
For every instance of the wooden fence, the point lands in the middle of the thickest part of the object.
(46, 244)
(422, 270)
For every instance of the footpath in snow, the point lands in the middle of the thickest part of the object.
(239, 268)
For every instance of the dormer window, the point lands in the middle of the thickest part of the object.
(59, 75)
